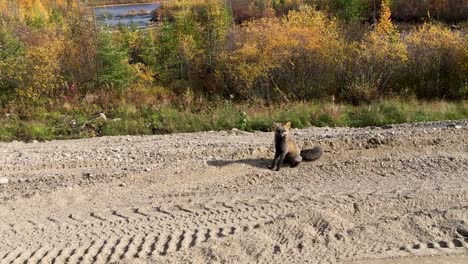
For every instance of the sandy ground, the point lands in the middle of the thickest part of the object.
(397, 194)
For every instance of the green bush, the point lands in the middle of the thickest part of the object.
(349, 10)
(323, 119)
(393, 113)
(114, 70)
(124, 127)
(12, 64)
(36, 131)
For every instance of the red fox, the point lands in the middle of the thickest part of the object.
(286, 150)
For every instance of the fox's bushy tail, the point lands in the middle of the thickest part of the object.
(311, 154)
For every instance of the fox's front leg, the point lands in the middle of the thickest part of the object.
(275, 160)
(280, 161)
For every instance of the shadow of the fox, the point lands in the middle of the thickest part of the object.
(258, 163)
(262, 163)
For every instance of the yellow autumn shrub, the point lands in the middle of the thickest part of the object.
(12, 64)
(256, 52)
(376, 61)
(296, 57)
(317, 59)
(36, 12)
(438, 62)
(43, 78)
(80, 38)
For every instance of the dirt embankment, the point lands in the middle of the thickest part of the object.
(377, 193)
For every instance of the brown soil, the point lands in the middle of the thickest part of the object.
(376, 196)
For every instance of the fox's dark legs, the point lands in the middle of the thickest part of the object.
(273, 165)
(280, 161)
(277, 162)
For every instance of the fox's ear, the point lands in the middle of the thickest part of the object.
(288, 125)
(275, 125)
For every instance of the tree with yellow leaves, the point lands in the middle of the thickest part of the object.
(377, 59)
(35, 12)
(296, 57)
(438, 62)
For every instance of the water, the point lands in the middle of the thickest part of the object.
(138, 14)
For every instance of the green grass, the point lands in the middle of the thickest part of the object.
(131, 120)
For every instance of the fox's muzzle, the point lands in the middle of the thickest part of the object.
(281, 133)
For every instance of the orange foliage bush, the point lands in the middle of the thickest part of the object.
(53, 52)
(376, 62)
(43, 78)
(438, 62)
(294, 57)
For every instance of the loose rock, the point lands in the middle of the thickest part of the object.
(102, 116)
(4, 180)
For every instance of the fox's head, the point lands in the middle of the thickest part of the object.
(281, 130)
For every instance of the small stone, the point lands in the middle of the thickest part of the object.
(377, 140)
(73, 123)
(458, 127)
(356, 207)
(148, 169)
(122, 185)
(4, 180)
(102, 116)
(340, 236)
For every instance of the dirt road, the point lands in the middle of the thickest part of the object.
(377, 193)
